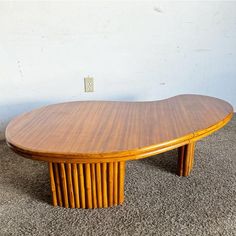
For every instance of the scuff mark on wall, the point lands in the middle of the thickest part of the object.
(157, 9)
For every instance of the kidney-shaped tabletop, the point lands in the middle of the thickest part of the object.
(93, 131)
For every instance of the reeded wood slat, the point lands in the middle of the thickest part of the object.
(81, 186)
(110, 184)
(87, 185)
(70, 186)
(64, 185)
(115, 183)
(192, 155)
(89, 202)
(53, 185)
(181, 152)
(185, 159)
(104, 184)
(99, 185)
(94, 189)
(58, 184)
(121, 181)
(76, 184)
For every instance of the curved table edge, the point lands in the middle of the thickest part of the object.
(123, 155)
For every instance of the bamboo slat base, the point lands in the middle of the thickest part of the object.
(96, 185)
(186, 159)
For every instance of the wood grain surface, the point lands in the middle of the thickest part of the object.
(103, 131)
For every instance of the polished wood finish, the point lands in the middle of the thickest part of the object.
(88, 143)
(107, 131)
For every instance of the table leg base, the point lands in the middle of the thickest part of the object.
(185, 159)
(96, 185)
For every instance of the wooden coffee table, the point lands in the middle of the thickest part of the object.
(87, 144)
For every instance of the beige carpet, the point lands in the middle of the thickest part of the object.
(158, 202)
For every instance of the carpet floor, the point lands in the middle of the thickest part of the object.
(157, 202)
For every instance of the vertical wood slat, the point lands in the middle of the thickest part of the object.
(115, 172)
(121, 181)
(70, 185)
(186, 159)
(76, 184)
(88, 186)
(104, 184)
(181, 153)
(94, 189)
(64, 185)
(99, 185)
(110, 184)
(192, 155)
(58, 184)
(53, 185)
(189, 158)
(81, 185)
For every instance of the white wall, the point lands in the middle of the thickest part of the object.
(134, 50)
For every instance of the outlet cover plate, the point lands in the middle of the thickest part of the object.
(88, 84)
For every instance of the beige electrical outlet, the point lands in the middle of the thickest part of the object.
(88, 84)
